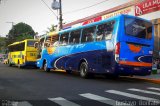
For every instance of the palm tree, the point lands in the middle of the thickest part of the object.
(52, 28)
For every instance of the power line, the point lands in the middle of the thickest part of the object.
(85, 7)
(49, 8)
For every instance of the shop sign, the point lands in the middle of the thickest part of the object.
(128, 10)
(147, 6)
(92, 20)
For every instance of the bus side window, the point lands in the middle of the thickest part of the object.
(74, 37)
(104, 31)
(88, 34)
(64, 39)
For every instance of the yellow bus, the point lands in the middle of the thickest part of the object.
(22, 53)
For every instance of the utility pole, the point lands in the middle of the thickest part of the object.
(58, 6)
(12, 28)
(60, 15)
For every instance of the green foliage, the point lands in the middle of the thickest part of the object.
(2, 44)
(52, 28)
(23, 36)
(20, 32)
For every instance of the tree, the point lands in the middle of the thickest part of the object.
(2, 44)
(52, 28)
(20, 32)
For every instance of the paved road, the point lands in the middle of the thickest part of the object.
(33, 87)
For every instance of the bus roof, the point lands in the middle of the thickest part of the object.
(54, 33)
(99, 22)
(18, 42)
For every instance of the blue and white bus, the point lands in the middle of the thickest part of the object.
(121, 45)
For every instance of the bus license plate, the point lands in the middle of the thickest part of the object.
(136, 68)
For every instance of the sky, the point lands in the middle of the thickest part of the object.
(36, 14)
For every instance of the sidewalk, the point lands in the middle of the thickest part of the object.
(154, 78)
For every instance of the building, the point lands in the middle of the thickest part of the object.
(148, 9)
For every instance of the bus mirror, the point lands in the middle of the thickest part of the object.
(36, 44)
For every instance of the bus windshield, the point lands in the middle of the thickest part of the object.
(17, 47)
(138, 28)
(30, 43)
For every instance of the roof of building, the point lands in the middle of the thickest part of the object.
(131, 3)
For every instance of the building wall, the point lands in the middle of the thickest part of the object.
(156, 23)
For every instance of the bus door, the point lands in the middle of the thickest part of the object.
(135, 45)
(31, 56)
(31, 51)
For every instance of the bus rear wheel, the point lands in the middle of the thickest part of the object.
(45, 67)
(84, 70)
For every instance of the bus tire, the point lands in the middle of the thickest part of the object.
(84, 70)
(45, 67)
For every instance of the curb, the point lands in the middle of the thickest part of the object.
(156, 81)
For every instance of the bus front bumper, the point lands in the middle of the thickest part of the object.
(29, 63)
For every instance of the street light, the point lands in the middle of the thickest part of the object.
(55, 6)
(11, 23)
(12, 28)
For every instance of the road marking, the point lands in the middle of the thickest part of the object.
(153, 88)
(63, 102)
(103, 99)
(133, 96)
(24, 103)
(144, 91)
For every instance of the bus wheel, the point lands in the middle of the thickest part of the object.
(84, 70)
(45, 67)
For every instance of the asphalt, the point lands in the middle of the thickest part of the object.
(153, 78)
